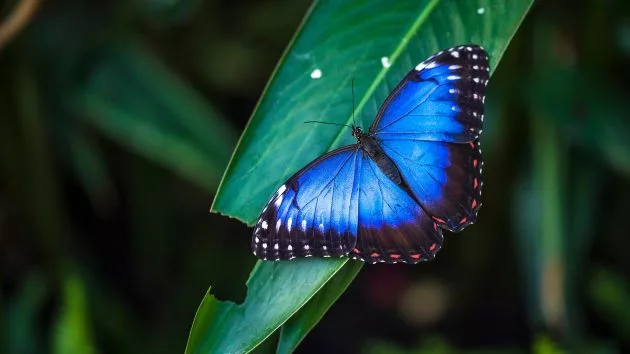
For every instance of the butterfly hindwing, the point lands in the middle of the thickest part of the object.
(444, 177)
(392, 226)
(314, 213)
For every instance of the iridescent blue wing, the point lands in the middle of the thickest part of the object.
(429, 126)
(444, 177)
(441, 99)
(392, 226)
(315, 212)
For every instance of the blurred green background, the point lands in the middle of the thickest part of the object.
(117, 119)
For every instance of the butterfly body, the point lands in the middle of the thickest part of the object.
(371, 146)
(413, 174)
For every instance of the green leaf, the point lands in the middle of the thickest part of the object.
(73, 331)
(278, 290)
(296, 328)
(133, 99)
(338, 41)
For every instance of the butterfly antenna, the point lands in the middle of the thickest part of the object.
(331, 123)
(354, 123)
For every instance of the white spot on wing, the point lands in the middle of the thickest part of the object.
(454, 67)
(303, 225)
(453, 77)
(455, 54)
(289, 222)
(316, 74)
(279, 201)
(265, 245)
(281, 189)
(264, 225)
(428, 64)
(306, 247)
(278, 223)
(290, 248)
(256, 240)
(385, 62)
(275, 246)
(475, 56)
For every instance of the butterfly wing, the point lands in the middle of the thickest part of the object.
(315, 212)
(441, 99)
(429, 126)
(392, 226)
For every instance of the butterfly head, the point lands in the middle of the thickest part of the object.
(357, 132)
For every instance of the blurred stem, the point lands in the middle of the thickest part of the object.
(548, 159)
(20, 17)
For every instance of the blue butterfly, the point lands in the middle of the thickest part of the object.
(414, 173)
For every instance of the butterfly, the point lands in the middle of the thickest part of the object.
(414, 173)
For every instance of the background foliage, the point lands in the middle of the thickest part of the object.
(117, 119)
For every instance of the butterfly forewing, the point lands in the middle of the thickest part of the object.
(441, 99)
(314, 213)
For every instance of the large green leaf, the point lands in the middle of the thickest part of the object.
(296, 328)
(374, 42)
(225, 327)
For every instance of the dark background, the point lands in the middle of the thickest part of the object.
(106, 177)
